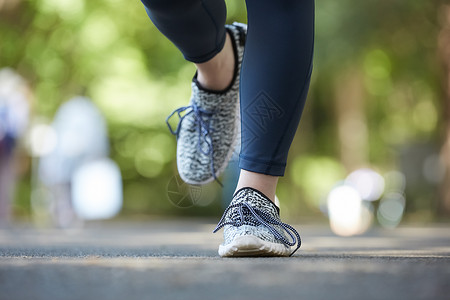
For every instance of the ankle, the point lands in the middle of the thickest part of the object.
(217, 74)
(266, 184)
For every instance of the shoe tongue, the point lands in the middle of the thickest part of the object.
(255, 198)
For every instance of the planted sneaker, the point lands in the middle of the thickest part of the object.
(252, 227)
(208, 127)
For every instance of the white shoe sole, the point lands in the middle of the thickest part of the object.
(249, 245)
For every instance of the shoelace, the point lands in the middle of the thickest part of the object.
(203, 119)
(263, 218)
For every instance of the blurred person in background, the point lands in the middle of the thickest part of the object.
(79, 138)
(14, 113)
(265, 89)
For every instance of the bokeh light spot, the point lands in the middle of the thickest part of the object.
(367, 182)
(346, 211)
(390, 211)
(42, 139)
(97, 190)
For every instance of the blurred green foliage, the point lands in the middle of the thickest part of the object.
(110, 51)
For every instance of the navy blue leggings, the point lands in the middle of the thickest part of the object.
(275, 71)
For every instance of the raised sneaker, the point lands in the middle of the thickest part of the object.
(208, 127)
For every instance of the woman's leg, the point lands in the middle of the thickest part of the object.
(274, 83)
(275, 76)
(207, 128)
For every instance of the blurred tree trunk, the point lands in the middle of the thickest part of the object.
(351, 119)
(444, 52)
(8, 5)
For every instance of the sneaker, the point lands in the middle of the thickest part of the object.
(208, 129)
(252, 227)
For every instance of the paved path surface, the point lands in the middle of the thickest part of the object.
(178, 260)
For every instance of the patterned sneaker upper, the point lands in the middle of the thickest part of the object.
(208, 129)
(252, 213)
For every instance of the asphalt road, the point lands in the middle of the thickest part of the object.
(178, 260)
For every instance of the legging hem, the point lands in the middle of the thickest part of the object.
(262, 167)
(209, 55)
